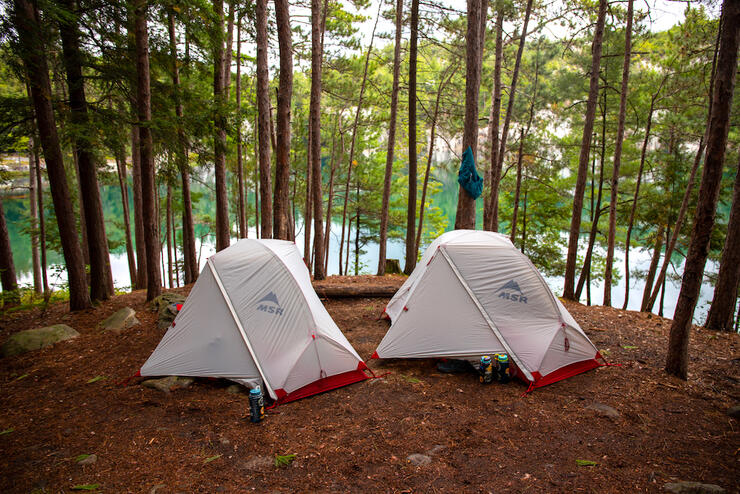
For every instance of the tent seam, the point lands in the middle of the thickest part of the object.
(486, 316)
(239, 325)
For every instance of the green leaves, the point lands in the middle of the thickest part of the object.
(586, 463)
(6, 431)
(85, 487)
(211, 458)
(81, 457)
(96, 379)
(284, 460)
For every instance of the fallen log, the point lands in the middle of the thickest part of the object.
(328, 291)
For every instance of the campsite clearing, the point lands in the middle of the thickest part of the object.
(373, 434)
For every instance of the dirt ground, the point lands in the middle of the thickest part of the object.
(357, 438)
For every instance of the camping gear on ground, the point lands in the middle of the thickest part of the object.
(474, 293)
(502, 368)
(254, 318)
(485, 369)
(455, 366)
(256, 405)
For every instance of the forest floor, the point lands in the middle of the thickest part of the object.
(358, 438)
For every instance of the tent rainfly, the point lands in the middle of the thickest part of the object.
(474, 293)
(253, 317)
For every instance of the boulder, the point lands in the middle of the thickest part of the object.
(88, 460)
(692, 488)
(120, 320)
(166, 307)
(419, 460)
(34, 339)
(167, 384)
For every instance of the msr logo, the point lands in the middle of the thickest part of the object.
(269, 303)
(511, 291)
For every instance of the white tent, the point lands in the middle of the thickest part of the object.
(254, 317)
(473, 294)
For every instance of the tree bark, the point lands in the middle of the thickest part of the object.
(410, 263)
(493, 172)
(168, 236)
(518, 190)
(10, 295)
(575, 222)
(678, 345)
(391, 143)
(148, 202)
(123, 184)
(243, 226)
(263, 120)
(722, 310)
(465, 216)
(281, 199)
(618, 158)
(42, 222)
(330, 199)
(650, 277)
(101, 279)
(509, 114)
(315, 124)
(27, 20)
(352, 143)
(181, 156)
(219, 122)
(33, 213)
(141, 271)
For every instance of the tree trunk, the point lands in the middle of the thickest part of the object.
(34, 215)
(722, 310)
(411, 209)
(263, 120)
(123, 184)
(650, 278)
(42, 222)
(618, 158)
(493, 172)
(243, 227)
(282, 154)
(27, 21)
(141, 270)
(181, 156)
(678, 345)
(391, 143)
(10, 295)
(518, 190)
(307, 212)
(219, 122)
(168, 235)
(596, 213)
(443, 81)
(631, 223)
(593, 92)
(354, 137)
(330, 199)
(315, 135)
(507, 119)
(101, 279)
(148, 202)
(228, 51)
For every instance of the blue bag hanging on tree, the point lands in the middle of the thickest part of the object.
(468, 176)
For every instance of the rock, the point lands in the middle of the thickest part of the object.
(166, 307)
(88, 460)
(34, 339)
(436, 449)
(392, 266)
(419, 460)
(258, 463)
(604, 410)
(692, 488)
(236, 389)
(120, 320)
(154, 489)
(167, 384)
(734, 412)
